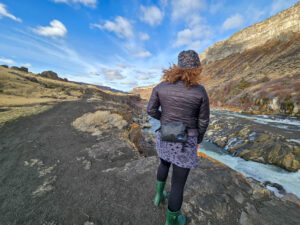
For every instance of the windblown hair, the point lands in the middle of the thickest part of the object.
(189, 76)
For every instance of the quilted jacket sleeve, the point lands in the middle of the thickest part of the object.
(203, 118)
(153, 104)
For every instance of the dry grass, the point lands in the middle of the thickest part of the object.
(98, 122)
(18, 87)
(11, 113)
(21, 94)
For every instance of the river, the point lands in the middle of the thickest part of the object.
(261, 172)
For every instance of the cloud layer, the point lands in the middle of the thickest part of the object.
(89, 3)
(234, 21)
(151, 15)
(120, 26)
(5, 13)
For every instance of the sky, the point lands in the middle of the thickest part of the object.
(119, 43)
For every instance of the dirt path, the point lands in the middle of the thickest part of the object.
(48, 177)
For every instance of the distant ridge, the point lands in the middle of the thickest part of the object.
(102, 87)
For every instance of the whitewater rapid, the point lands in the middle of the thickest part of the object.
(290, 181)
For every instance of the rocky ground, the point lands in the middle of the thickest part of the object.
(52, 172)
(257, 142)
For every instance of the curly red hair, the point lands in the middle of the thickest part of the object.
(189, 76)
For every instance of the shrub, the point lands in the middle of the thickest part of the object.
(244, 84)
(265, 79)
(287, 105)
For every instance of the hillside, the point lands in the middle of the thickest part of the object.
(23, 93)
(257, 69)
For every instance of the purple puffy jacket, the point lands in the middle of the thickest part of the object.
(181, 104)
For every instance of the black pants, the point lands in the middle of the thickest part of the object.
(179, 178)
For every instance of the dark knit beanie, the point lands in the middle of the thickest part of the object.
(188, 59)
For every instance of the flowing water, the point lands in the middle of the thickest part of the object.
(259, 171)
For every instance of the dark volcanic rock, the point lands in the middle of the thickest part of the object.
(5, 66)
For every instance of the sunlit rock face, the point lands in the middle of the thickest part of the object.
(255, 35)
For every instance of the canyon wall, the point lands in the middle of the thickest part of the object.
(284, 22)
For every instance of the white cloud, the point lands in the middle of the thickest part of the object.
(130, 83)
(194, 37)
(234, 21)
(151, 15)
(5, 13)
(56, 29)
(279, 5)
(26, 65)
(112, 74)
(253, 14)
(144, 36)
(7, 61)
(215, 7)
(89, 3)
(121, 27)
(163, 3)
(196, 34)
(144, 77)
(142, 54)
(186, 9)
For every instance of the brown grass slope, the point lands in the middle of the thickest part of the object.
(264, 79)
(23, 94)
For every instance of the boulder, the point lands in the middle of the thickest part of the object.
(135, 134)
(23, 69)
(221, 141)
(49, 74)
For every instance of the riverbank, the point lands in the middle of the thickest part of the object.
(268, 140)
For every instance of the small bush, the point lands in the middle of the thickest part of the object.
(244, 84)
(265, 79)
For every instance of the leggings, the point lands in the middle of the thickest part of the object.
(179, 178)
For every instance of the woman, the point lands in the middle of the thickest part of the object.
(181, 99)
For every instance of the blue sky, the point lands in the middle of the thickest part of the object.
(119, 43)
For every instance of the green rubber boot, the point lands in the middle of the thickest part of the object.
(161, 195)
(174, 218)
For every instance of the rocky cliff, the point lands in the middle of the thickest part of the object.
(144, 92)
(284, 22)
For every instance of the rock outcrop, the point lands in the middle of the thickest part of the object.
(243, 138)
(287, 21)
(49, 74)
(144, 92)
(22, 68)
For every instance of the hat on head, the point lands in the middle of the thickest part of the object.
(188, 59)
